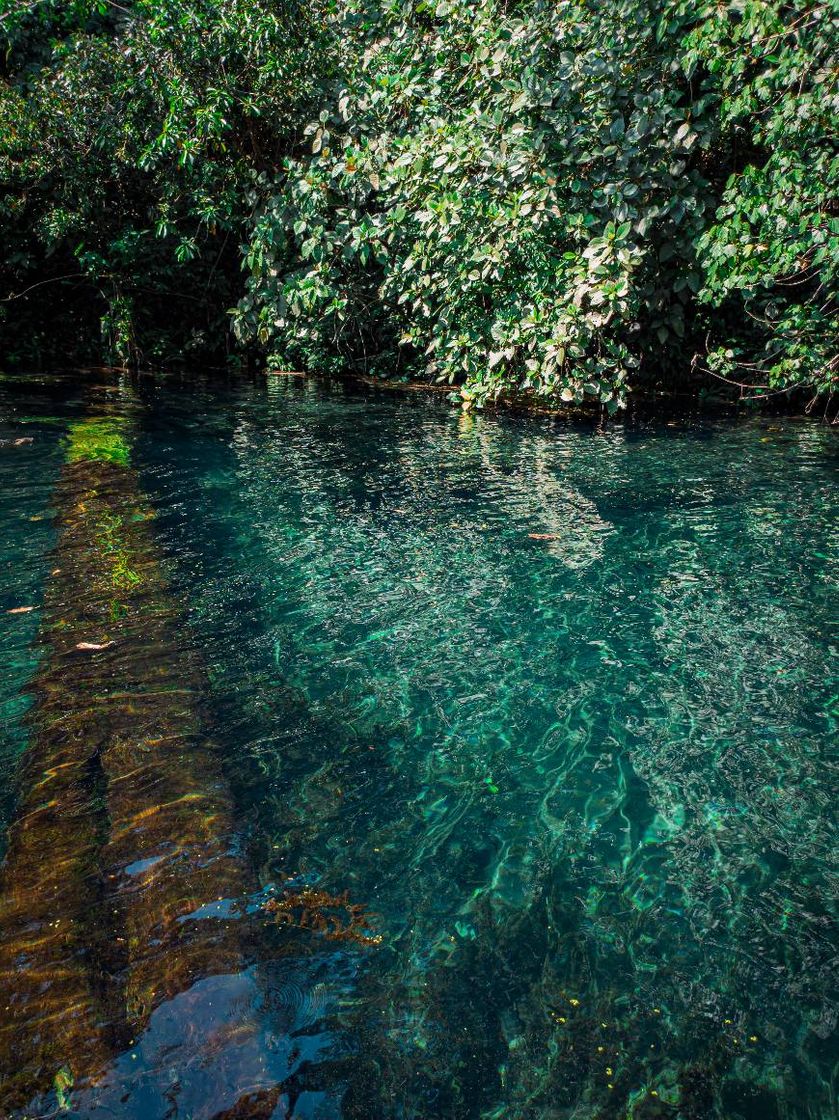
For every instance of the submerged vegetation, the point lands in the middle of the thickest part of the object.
(130, 917)
(123, 826)
(98, 440)
(569, 200)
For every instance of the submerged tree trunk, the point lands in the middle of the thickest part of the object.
(122, 883)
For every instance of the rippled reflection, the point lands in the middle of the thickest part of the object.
(551, 712)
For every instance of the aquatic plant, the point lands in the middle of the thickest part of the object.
(334, 917)
(98, 440)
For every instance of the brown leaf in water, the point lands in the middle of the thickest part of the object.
(543, 536)
(334, 916)
(95, 645)
(20, 610)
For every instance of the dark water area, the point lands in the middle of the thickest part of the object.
(485, 765)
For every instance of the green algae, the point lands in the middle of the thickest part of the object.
(103, 440)
(98, 440)
(63, 1085)
(112, 541)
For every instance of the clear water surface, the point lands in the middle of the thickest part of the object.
(553, 708)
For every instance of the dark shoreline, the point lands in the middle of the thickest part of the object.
(650, 406)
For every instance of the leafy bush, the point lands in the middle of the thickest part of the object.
(127, 137)
(522, 198)
(773, 252)
(556, 199)
(508, 192)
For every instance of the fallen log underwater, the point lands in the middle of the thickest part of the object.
(122, 886)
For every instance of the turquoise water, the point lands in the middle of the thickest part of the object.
(27, 476)
(553, 706)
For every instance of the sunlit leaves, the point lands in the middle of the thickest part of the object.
(514, 176)
(774, 245)
(550, 198)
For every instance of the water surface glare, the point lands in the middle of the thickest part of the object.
(529, 733)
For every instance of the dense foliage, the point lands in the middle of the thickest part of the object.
(566, 199)
(127, 138)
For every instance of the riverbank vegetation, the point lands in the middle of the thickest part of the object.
(570, 200)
